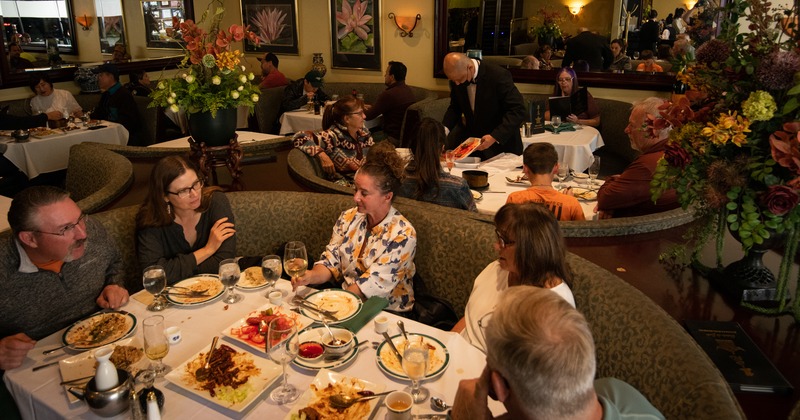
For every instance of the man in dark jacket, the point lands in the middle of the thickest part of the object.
(649, 33)
(117, 104)
(299, 92)
(392, 102)
(590, 48)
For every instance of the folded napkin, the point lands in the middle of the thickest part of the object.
(144, 297)
(369, 310)
(567, 126)
(503, 162)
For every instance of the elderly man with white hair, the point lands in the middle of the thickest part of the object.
(628, 194)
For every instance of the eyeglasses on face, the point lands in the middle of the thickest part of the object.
(564, 79)
(184, 193)
(69, 228)
(502, 241)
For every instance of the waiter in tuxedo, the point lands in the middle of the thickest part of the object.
(484, 103)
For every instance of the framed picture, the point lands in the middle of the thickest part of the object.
(355, 34)
(275, 23)
(159, 22)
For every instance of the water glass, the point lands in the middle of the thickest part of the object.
(415, 364)
(156, 346)
(562, 173)
(271, 270)
(154, 281)
(229, 274)
(556, 122)
(594, 171)
(282, 345)
(295, 259)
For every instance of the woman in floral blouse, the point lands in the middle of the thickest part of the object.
(342, 144)
(371, 251)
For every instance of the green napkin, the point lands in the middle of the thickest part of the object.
(369, 310)
(566, 126)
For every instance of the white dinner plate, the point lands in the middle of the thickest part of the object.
(438, 357)
(251, 279)
(255, 385)
(247, 334)
(344, 304)
(121, 325)
(83, 365)
(326, 377)
(315, 334)
(584, 194)
(203, 281)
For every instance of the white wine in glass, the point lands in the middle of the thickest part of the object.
(295, 259)
(415, 364)
(450, 160)
(154, 281)
(156, 346)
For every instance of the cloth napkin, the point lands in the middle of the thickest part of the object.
(369, 310)
(503, 162)
(144, 297)
(567, 126)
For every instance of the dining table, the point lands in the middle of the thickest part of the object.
(51, 153)
(576, 148)
(39, 394)
(244, 137)
(304, 120)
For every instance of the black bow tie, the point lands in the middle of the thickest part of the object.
(470, 82)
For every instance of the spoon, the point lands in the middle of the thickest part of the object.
(402, 329)
(333, 358)
(344, 401)
(438, 404)
(334, 341)
(201, 374)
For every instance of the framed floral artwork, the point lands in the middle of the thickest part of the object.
(355, 34)
(275, 23)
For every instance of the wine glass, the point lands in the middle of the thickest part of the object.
(156, 345)
(449, 159)
(556, 122)
(271, 269)
(282, 345)
(229, 273)
(155, 281)
(415, 364)
(562, 173)
(295, 259)
(594, 170)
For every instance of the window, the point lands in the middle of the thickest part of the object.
(32, 22)
(111, 24)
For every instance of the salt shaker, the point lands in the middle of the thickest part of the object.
(105, 376)
(153, 413)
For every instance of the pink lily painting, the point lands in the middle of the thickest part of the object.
(354, 22)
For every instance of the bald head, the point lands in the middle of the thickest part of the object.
(458, 67)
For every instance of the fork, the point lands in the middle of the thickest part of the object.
(189, 290)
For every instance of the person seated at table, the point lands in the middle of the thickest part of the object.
(540, 164)
(270, 75)
(543, 54)
(567, 85)
(117, 104)
(182, 226)
(16, 62)
(341, 147)
(620, 62)
(392, 102)
(14, 122)
(49, 100)
(649, 63)
(425, 179)
(541, 364)
(139, 84)
(530, 251)
(300, 92)
(371, 251)
(628, 194)
(58, 267)
(530, 63)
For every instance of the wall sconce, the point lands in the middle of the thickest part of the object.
(85, 22)
(690, 4)
(405, 24)
(574, 9)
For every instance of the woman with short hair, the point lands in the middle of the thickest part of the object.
(50, 101)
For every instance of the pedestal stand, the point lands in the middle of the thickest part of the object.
(208, 158)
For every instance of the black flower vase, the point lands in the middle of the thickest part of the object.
(213, 130)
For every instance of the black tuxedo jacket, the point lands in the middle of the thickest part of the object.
(588, 47)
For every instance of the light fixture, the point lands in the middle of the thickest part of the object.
(575, 8)
(85, 22)
(405, 24)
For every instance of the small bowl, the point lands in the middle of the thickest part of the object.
(476, 179)
(341, 334)
(580, 177)
(21, 136)
(311, 350)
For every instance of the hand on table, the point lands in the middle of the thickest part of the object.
(13, 350)
(572, 118)
(486, 142)
(472, 398)
(54, 115)
(568, 191)
(221, 231)
(112, 297)
(327, 163)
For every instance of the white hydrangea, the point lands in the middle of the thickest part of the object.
(235, 95)
(189, 78)
(216, 80)
(254, 97)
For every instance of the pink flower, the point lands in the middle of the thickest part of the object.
(354, 19)
(237, 32)
(222, 40)
(786, 146)
(779, 199)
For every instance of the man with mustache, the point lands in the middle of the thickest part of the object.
(58, 267)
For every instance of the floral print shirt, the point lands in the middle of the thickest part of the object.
(347, 153)
(385, 267)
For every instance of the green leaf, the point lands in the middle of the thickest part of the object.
(732, 218)
(731, 205)
(734, 226)
(744, 234)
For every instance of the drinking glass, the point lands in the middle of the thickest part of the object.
(594, 170)
(415, 364)
(156, 345)
(271, 269)
(229, 273)
(449, 159)
(562, 174)
(282, 345)
(155, 281)
(636, 55)
(556, 122)
(295, 259)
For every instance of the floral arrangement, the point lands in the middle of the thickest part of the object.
(212, 76)
(734, 146)
(546, 24)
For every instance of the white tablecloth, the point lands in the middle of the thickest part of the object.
(304, 120)
(574, 147)
(39, 395)
(51, 154)
(244, 137)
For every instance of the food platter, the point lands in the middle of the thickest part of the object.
(202, 282)
(315, 334)
(584, 194)
(98, 330)
(464, 149)
(328, 383)
(247, 333)
(259, 372)
(251, 279)
(438, 357)
(82, 365)
(344, 304)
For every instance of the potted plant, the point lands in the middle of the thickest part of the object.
(546, 27)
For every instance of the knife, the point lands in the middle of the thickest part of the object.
(319, 312)
(394, 349)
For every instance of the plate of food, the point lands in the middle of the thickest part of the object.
(342, 303)
(584, 194)
(315, 334)
(79, 369)
(438, 356)
(247, 330)
(464, 149)
(208, 282)
(251, 279)
(476, 195)
(315, 402)
(44, 132)
(98, 330)
(237, 377)
(521, 180)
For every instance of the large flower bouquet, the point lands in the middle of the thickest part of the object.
(212, 76)
(546, 24)
(734, 148)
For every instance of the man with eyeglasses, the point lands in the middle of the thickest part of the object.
(540, 363)
(51, 273)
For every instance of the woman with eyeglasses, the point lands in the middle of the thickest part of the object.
(342, 145)
(181, 226)
(567, 85)
(530, 251)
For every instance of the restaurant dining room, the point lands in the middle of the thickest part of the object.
(221, 210)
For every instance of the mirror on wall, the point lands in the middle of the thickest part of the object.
(30, 23)
(161, 20)
(110, 23)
